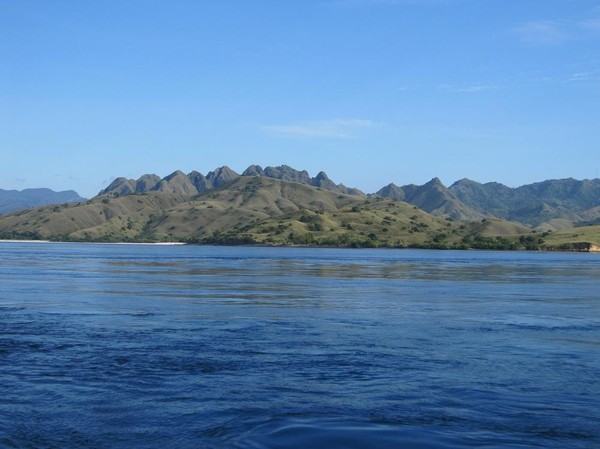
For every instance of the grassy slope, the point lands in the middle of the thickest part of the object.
(167, 216)
(260, 211)
(574, 238)
(121, 218)
(375, 222)
(248, 200)
(366, 222)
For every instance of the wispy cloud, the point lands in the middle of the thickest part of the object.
(337, 128)
(592, 21)
(70, 177)
(473, 88)
(591, 24)
(583, 77)
(553, 32)
(354, 3)
(542, 32)
(108, 181)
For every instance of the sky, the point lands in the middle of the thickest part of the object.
(369, 91)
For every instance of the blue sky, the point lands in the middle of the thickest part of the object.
(370, 91)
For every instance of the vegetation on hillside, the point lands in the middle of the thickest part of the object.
(263, 211)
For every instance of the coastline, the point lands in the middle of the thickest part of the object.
(581, 247)
(96, 243)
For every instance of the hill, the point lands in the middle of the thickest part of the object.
(14, 200)
(164, 214)
(432, 197)
(551, 204)
(255, 210)
(584, 238)
(283, 206)
(548, 205)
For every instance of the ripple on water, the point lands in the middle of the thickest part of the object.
(327, 433)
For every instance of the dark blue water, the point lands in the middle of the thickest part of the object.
(119, 346)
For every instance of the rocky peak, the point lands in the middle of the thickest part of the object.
(322, 176)
(176, 182)
(195, 182)
(322, 181)
(221, 176)
(175, 174)
(120, 186)
(200, 182)
(146, 183)
(287, 173)
(392, 191)
(463, 182)
(253, 170)
(435, 182)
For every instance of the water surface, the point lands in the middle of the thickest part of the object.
(118, 346)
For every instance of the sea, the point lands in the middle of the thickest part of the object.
(152, 346)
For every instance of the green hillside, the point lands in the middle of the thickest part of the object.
(157, 215)
(585, 238)
(265, 211)
(552, 204)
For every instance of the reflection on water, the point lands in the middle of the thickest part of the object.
(145, 346)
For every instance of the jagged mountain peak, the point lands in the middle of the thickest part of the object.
(569, 200)
(146, 182)
(195, 182)
(392, 191)
(321, 176)
(463, 181)
(221, 176)
(435, 182)
(176, 182)
(253, 170)
(175, 174)
(120, 186)
(287, 173)
(432, 197)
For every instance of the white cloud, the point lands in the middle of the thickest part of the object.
(336, 128)
(542, 32)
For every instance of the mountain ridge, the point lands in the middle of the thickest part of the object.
(536, 204)
(195, 182)
(548, 205)
(258, 210)
(269, 211)
(14, 200)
